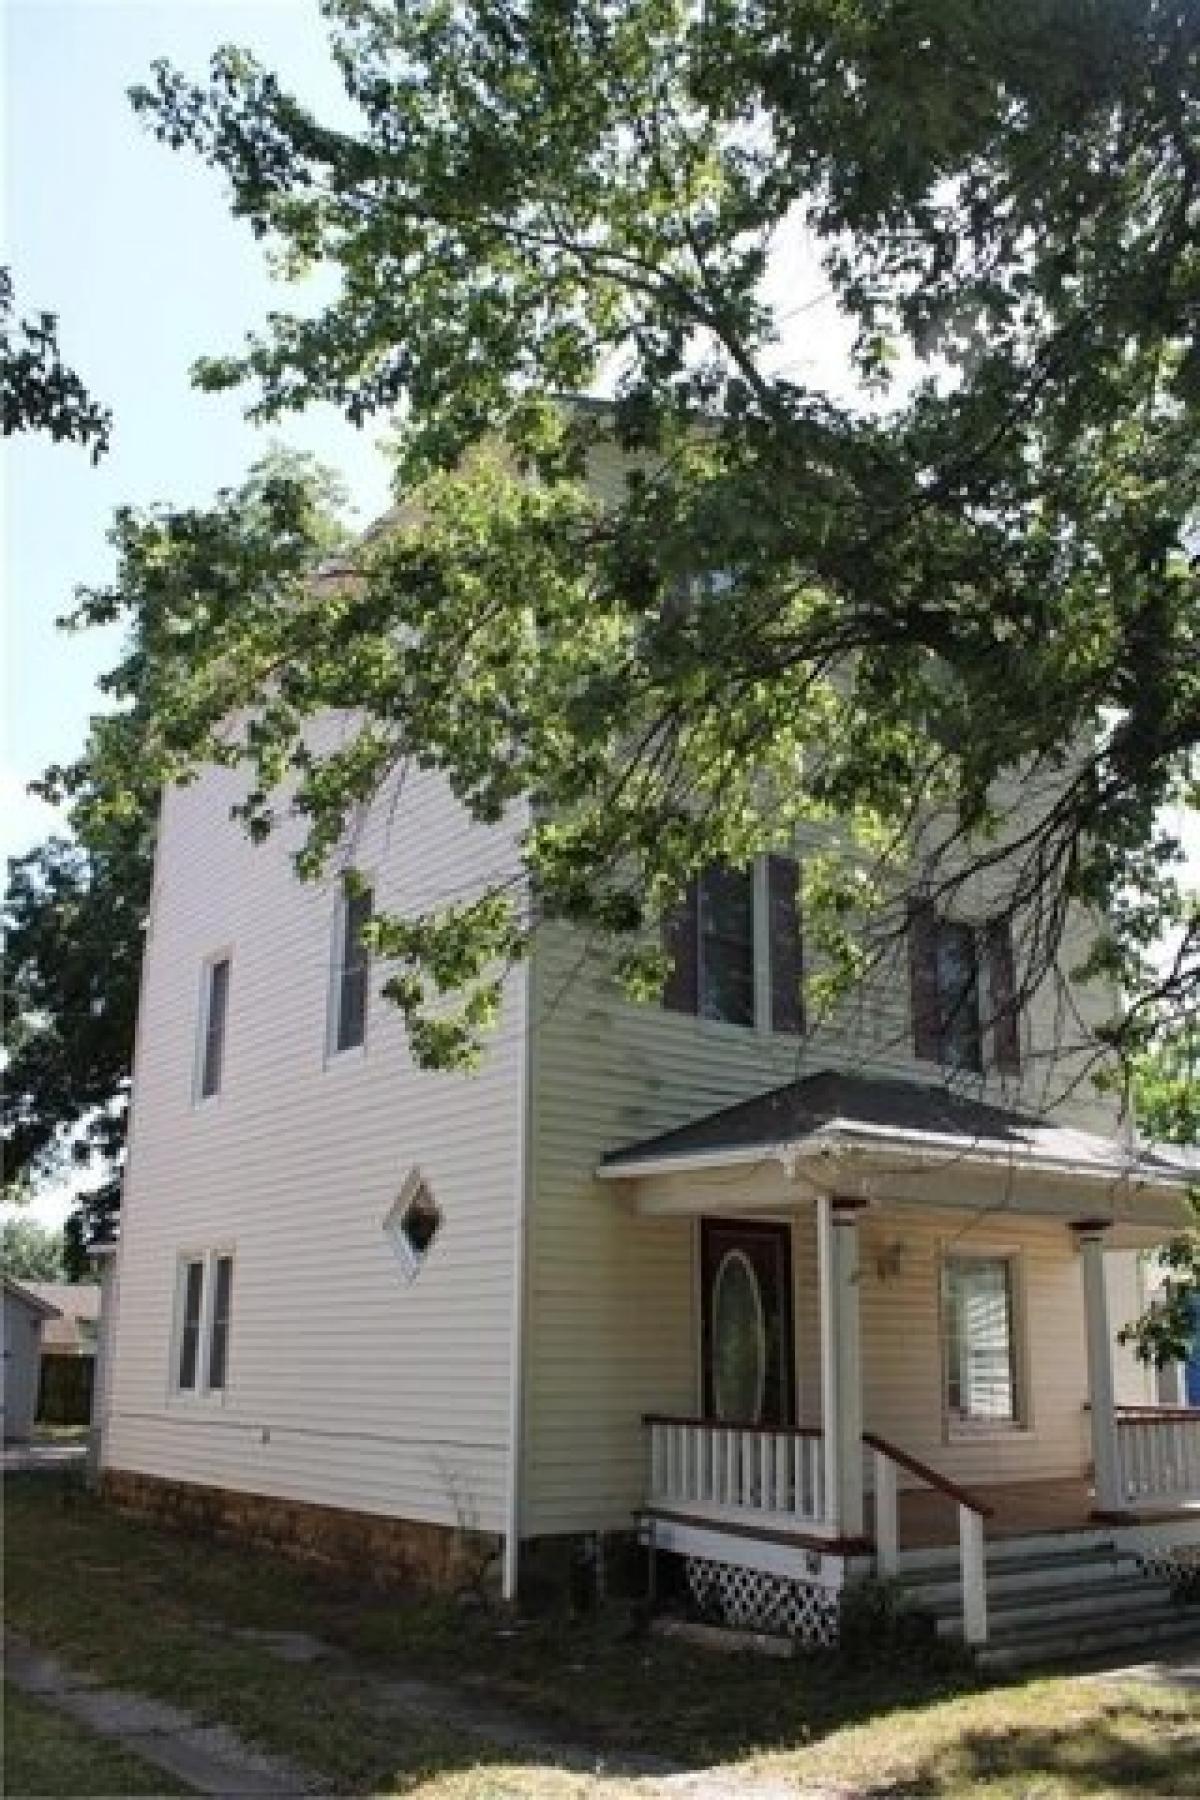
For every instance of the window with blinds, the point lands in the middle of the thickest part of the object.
(980, 1341)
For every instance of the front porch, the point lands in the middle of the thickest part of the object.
(940, 1313)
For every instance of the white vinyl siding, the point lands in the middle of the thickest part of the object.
(346, 1385)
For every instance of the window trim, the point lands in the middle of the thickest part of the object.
(959, 1430)
(762, 1024)
(202, 1392)
(337, 967)
(203, 1011)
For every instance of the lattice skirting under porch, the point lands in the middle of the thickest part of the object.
(1177, 1563)
(753, 1600)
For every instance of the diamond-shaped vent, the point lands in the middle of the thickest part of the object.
(413, 1223)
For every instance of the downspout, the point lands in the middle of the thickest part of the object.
(521, 1207)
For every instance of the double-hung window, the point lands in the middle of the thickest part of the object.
(979, 1330)
(351, 986)
(214, 1016)
(203, 1303)
(963, 992)
(734, 946)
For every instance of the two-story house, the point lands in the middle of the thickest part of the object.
(781, 1298)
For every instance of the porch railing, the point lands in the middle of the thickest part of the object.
(888, 1458)
(760, 1476)
(1158, 1454)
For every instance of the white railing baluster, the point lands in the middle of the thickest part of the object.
(1158, 1454)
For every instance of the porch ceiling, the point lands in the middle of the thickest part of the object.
(869, 1137)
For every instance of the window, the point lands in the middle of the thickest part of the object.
(733, 926)
(352, 968)
(214, 1013)
(412, 1223)
(202, 1335)
(218, 1336)
(189, 1324)
(960, 972)
(980, 1340)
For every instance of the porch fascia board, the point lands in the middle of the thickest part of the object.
(861, 1162)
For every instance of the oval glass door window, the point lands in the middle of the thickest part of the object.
(739, 1340)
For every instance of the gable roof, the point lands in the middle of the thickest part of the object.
(836, 1110)
(77, 1309)
(24, 1295)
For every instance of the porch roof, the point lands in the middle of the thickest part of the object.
(832, 1112)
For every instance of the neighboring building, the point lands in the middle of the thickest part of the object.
(68, 1351)
(25, 1316)
(654, 1265)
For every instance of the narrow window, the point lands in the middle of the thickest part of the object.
(191, 1298)
(958, 995)
(727, 945)
(216, 1009)
(786, 952)
(218, 1343)
(944, 958)
(350, 1023)
(980, 1348)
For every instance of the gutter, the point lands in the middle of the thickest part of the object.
(520, 1279)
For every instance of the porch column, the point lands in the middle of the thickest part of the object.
(1089, 1236)
(841, 1364)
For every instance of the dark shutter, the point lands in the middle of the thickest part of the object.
(787, 956)
(923, 980)
(680, 942)
(1002, 997)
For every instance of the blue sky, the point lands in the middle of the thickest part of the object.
(133, 246)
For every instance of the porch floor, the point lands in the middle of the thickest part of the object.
(928, 1519)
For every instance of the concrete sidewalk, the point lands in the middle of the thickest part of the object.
(209, 1758)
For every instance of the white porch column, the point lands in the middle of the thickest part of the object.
(841, 1363)
(1089, 1236)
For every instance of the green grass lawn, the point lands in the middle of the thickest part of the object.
(45, 1753)
(153, 1610)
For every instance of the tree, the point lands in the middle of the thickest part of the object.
(955, 614)
(38, 392)
(32, 1252)
(75, 910)
(1167, 1098)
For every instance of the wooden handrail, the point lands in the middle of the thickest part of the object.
(931, 1477)
(795, 1431)
(1186, 1413)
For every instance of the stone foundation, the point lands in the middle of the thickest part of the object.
(386, 1552)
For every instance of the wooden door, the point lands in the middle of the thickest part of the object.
(748, 1343)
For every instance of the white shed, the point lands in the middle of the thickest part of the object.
(24, 1316)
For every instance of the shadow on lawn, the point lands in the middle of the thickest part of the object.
(1140, 1752)
(171, 1615)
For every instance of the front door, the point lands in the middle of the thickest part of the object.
(748, 1346)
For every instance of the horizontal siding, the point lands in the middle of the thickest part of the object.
(612, 1325)
(347, 1385)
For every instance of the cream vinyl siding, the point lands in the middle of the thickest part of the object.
(613, 1325)
(346, 1384)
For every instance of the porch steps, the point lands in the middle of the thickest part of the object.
(1054, 1606)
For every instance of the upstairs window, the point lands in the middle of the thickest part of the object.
(351, 968)
(980, 1340)
(735, 947)
(214, 1011)
(963, 988)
